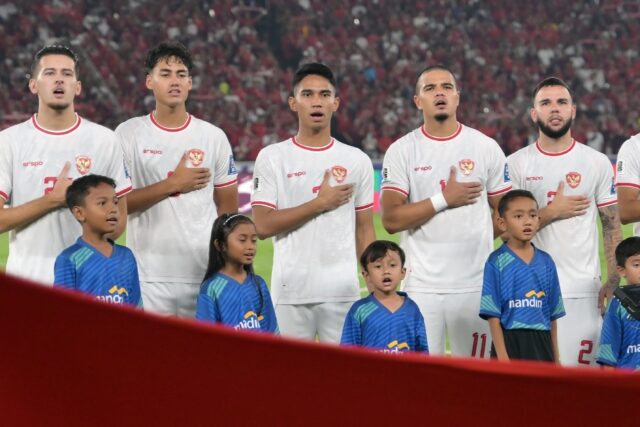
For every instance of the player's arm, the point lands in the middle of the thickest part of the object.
(183, 180)
(270, 221)
(563, 206)
(554, 341)
(22, 215)
(498, 338)
(399, 215)
(611, 237)
(629, 204)
(226, 199)
(365, 234)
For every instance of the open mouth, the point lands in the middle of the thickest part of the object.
(317, 115)
(58, 91)
(112, 220)
(386, 280)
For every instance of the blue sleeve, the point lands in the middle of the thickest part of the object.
(64, 273)
(351, 332)
(556, 303)
(421, 334)
(490, 300)
(206, 306)
(271, 322)
(611, 336)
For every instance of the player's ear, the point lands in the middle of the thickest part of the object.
(416, 100)
(78, 213)
(533, 114)
(502, 224)
(32, 86)
(292, 104)
(148, 82)
(404, 272)
(621, 271)
(336, 104)
(78, 87)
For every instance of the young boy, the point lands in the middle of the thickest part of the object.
(521, 295)
(620, 338)
(95, 264)
(386, 320)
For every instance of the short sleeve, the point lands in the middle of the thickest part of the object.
(628, 164)
(352, 331)
(611, 336)
(64, 272)
(264, 188)
(225, 173)
(6, 169)
(514, 171)
(606, 185)
(490, 300)
(364, 189)
(555, 300)
(395, 168)
(206, 305)
(498, 177)
(116, 167)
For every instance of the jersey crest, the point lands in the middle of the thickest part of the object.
(196, 157)
(466, 166)
(83, 164)
(339, 173)
(573, 179)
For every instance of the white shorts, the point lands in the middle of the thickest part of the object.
(305, 321)
(455, 315)
(579, 331)
(170, 299)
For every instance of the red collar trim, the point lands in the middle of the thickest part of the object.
(166, 129)
(305, 147)
(446, 138)
(53, 132)
(546, 153)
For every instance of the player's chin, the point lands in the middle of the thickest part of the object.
(58, 105)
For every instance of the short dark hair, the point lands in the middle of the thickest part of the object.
(626, 249)
(550, 81)
(166, 50)
(313, 69)
(436, 67)
(503, 205)
(78, 190)
(378, 249)
(55, 49)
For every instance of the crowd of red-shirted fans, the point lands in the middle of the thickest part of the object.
(245, 60)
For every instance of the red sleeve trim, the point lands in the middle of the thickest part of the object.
(627, 184)
(364, 207)
(124, 192)
(496, 193)
(399, 190)
(609, 203)
(267, 204)
(4, 196)
(226, 184)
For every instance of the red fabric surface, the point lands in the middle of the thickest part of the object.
(67, 360)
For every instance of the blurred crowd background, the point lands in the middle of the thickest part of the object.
(245, 56)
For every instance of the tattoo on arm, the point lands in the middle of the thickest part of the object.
(611, 236)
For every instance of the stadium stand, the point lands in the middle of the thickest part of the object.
(244, 64)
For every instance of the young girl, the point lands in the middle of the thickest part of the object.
(231, 293)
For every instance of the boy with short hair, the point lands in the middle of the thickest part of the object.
(386, 320)
(95, 264)
(620, 337)
(521, 295)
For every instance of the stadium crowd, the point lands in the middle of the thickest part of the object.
(245, 60)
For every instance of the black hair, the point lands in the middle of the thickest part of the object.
(79, 188)
(550, 81)
(56, 49)
(510, 196)
(313, 69)
(222, 227)
(436, 67)
(166, 50)
(378, 249)
(626, 249)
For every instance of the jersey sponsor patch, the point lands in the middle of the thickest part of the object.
(232, 166)
(339, 173)
(83, 164)
(257, 184)
(466, 166)
(573, 179)
(507, 178)
(196, 157)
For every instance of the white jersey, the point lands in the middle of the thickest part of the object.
(628, 169)
(447, 253)
(31, 158)
(171, 239)
(573, 242)
(316, 262)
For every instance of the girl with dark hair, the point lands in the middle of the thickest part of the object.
(231, 293)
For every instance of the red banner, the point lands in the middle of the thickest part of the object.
(68, 360)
